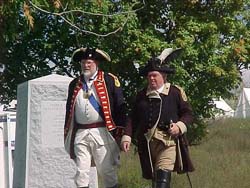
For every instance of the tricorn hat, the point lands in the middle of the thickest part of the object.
(90, 53)
(161, 62)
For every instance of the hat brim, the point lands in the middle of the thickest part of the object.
(145, 70)
(82, 53)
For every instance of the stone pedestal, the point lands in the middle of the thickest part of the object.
(40, 160)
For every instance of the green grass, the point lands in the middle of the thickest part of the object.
(222, 160)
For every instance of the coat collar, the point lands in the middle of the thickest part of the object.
(164, 91)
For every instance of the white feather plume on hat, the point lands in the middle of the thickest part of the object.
(169, 54)
(161, 62)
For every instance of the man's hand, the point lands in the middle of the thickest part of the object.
(125, 146)
(174, 130)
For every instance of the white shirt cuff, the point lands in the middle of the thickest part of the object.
(126, 138)
(182, 127)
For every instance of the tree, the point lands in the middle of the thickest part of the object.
(40, 36)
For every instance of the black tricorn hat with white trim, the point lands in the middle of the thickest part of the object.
(90, 53)
(161, 62)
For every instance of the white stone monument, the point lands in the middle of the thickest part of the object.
(40, 160)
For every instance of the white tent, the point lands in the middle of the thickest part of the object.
(10, 107)
(243, 107)
(245, 78)
(7, 147)
(7, 143)
(224, 110)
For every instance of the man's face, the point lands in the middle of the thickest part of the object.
(155, 80)
(89, 67)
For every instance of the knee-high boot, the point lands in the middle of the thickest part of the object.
(162, 179)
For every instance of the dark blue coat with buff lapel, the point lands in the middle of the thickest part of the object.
(116, 100)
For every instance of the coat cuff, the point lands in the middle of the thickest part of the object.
(182, 127)
(126, 138)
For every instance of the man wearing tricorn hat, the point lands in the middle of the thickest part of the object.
(160, 117)
(95, 117)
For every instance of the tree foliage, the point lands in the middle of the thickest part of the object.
(38, 38)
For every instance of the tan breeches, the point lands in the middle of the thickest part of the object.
(163, 156)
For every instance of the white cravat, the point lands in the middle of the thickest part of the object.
(160, 89)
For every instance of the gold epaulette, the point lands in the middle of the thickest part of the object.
(183, 94)
(117, 83)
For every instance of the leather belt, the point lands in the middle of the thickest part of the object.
(91, 125)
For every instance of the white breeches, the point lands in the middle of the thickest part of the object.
(98, 145)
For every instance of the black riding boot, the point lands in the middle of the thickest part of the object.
(162, 179)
